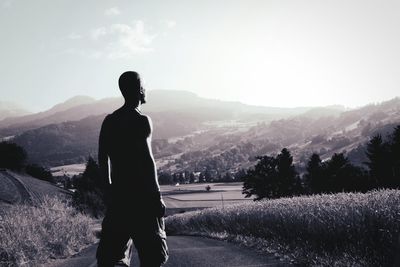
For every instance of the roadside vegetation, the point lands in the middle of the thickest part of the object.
(35, 234)
(275, 177)
(344, 229)
(14, 157)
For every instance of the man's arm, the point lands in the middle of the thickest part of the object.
(151, 170)
(103, 156)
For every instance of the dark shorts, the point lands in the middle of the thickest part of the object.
(147, 233)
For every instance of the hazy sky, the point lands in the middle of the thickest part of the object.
(273, 53)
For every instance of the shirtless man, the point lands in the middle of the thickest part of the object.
(135, 208)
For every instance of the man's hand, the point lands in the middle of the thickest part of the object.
(162, 209)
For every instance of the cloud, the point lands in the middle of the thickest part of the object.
(6, 3)
(111, 12)
(115, 41)
(122, 40)
(98, 33)
(170, 24)
(74, 36)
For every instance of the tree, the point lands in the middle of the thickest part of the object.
(90, 192)
(287, 175)
(240, 174)
(342, 176)
(207, 175)
(395, 157)
(227, 177)
(333, 173)
(192, 178)
(378, 162)
(12, 156)
(39, 172)
(314, 175)
(165, 178)
(272, 177)
(262, 181)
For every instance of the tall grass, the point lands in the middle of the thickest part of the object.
(50, 229)
(345, 229)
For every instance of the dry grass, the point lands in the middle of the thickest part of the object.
(346, 229)
(51, 229)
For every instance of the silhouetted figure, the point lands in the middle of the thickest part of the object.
(134, 204)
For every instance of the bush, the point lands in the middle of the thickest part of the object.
(52, 229)
(39, 172)
(12, 156)
(90, 195)
(352, 229)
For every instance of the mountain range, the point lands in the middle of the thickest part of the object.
(192, 133)
(80, 107)
(9, 109)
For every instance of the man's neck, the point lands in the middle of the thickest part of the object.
(129, 105)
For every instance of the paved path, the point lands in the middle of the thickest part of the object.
(188, 251)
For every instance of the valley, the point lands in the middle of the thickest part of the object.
(197, 135)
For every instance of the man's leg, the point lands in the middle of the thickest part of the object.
(113, 242)
(150, 244)
(148, 251)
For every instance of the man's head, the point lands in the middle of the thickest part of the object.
(131, 87)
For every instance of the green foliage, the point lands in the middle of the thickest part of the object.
(165, 178)
(12, 156)
(344, 229)
(394, 146)
(90, 193)
(272, 177)
(377, 154)
(314, 174)
(335, 175)
(39, 172)
(384, 160)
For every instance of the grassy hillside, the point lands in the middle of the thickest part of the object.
(19, 187)
(32, 235)
(346, 229)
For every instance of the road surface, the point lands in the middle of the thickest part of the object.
(189, 251)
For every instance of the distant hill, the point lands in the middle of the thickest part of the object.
(159, 101)
(171, 100)
(229, 148)
(58, 113)
(192, 133)
(8, 109)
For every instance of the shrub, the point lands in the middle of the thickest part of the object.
(34, 234)
(12, 156)
(39, 172)
(90, 195)
(353, 229)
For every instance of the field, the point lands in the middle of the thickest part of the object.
(346, 229)
(190, 197)
(68, 170)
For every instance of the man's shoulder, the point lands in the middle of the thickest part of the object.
(108, 120)
(120, 113)
(108, 117)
